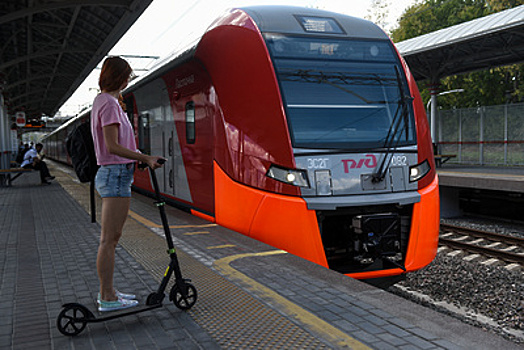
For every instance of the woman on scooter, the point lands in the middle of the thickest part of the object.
(116, 153)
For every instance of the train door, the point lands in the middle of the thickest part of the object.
(176, 182)
(167, 142)
(175, 115)
(193, 104)
(152, 123)
(198, 144)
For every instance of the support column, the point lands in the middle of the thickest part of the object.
(4, 135)
(434, 90)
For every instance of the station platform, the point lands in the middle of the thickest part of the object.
(508, 179)
(250, 295)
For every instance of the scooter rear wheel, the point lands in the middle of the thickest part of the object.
(183, 301)
(72, 319)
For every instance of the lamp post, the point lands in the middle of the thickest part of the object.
(433, 112)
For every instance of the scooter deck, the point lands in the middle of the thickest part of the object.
(109, 315)
(99, 316)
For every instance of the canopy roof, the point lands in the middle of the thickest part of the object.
(485, 42)
(48, 47)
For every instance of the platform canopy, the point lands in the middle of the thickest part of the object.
(485, 42)
(48, 47)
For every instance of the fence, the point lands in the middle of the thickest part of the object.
(491, 135)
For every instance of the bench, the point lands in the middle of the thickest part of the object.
(443, 158)
(5, 175)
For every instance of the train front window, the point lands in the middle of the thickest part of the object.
(342, 93)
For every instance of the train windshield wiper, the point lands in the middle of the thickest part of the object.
(401, 115)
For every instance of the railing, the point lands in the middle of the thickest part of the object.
(491, 135)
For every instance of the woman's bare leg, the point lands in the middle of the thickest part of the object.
(114, 215)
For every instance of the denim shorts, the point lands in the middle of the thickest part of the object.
(114, 180)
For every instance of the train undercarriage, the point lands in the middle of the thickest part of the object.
(361, 239)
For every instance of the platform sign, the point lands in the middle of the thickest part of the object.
(20, 118)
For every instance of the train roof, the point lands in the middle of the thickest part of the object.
(280, 19)
(302, 20)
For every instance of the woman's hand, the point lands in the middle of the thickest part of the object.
(155, 162)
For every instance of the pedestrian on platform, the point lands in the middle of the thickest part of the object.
(32, 160)
(116, 153)
(21, 152)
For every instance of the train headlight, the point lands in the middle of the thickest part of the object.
(417, 172)
(294, 177)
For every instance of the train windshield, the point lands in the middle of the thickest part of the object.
(349, 94)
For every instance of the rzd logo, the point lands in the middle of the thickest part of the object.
(370, 161)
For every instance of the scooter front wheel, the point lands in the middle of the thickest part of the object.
(183, 300)
(73, 319)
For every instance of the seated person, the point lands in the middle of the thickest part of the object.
(21, 152)
(32, 160)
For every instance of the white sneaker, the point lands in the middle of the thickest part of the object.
(120, 295)
(127, 296)
(116, 304)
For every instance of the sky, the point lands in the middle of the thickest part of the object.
(167, 26)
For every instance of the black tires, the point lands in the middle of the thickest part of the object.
(73, 319)
(183, 296)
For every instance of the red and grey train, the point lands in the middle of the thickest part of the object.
(298, 127)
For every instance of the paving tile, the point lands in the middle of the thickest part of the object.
(57, 260)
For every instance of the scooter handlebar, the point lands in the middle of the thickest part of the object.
(144, 165)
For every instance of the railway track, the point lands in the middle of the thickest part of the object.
(503, 247)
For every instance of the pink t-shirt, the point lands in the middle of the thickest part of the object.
(106, 111)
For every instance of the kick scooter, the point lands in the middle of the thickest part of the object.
(74, 316)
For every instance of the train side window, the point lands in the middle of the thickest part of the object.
(190, 122)
(144, 142)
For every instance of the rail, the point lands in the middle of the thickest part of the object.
(493, 249)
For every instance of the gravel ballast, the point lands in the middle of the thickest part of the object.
(493, 293)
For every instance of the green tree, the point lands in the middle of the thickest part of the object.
(378, 12)
(483, 88)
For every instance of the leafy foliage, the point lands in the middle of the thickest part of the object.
(483, 88)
